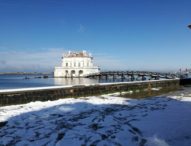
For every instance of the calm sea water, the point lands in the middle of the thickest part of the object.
(25, 81)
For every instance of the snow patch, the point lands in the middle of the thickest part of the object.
(99, 120)
(155, 141)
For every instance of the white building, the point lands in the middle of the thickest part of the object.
(76, 64)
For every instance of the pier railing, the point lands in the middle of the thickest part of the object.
(132, 75)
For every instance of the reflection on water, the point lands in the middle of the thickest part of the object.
(26, 81)
(74, 81)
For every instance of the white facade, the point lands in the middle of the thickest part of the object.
(76, 64)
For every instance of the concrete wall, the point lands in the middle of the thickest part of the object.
(144, 88)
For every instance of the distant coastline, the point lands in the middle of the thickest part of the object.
(25, 73)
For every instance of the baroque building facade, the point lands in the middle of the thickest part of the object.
(76, 64)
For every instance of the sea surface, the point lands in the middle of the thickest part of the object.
(27, 81)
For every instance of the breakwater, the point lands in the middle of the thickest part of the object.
(140, 88)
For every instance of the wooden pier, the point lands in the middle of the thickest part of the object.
(132, 75)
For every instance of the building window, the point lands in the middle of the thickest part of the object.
(66, 64)
(73, 73)
(80, 73)
(78, 64)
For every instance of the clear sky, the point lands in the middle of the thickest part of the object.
(121, 34)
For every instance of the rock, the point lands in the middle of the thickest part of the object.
(2, 124)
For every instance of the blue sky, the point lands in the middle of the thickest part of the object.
(121, 34)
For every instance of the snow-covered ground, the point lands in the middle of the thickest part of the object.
(103, 120)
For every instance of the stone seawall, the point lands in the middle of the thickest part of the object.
(142, 88)
(185, 82)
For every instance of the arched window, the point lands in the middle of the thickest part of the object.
(73, 73)
(80, 73)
